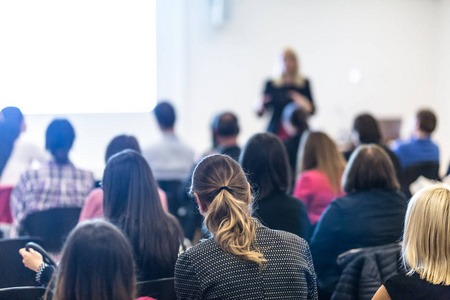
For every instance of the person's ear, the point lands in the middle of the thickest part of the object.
(202, 207)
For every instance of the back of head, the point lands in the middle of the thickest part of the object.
(426, 120)
(131, 201)
(59, 139)
(321, 153)
(299, 120)
(11, 119)
(222, 189)
(120, 143)
(226, 125)
(367, 129)
(369, 168)
(265, 161)
(426, 238)
(97, 263)
(165, 115)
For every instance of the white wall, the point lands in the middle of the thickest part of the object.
(400, 46)
(392, 42)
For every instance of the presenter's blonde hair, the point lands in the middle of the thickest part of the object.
(298, 78)
(426, 239)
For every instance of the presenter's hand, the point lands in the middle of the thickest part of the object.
(301, 101)
(31, 259)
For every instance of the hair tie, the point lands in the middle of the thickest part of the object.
(224, 188)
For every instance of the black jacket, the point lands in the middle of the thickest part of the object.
(358, 220)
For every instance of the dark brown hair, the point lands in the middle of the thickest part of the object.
(367, 128)
(97, 263)
(427, 120)
(266, 163)
(369, 168)
(131, 201)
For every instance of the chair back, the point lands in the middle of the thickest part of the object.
(13, 273)
(52, 226)
(5, 207)
(22, 292)
(161, 289)
(429, 169)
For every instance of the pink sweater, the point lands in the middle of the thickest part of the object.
(93, 206)
(314, 189)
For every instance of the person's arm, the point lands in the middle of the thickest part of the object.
(266, 99)
(381, 294)
(34, 261)
(187, 285)
(302, 101)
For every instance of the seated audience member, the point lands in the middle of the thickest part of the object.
(225, 130)
(16, 156)
(297, 124)
(425, 248)
(371, 214)
(243, 259)
(265, 162)
(169, 158)
(320, 179)
(97, 263)
(420, 148)
(367, 131)
(93, 207)
(131, 202)
(56, 184)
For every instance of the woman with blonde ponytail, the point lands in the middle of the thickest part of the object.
(242, 259)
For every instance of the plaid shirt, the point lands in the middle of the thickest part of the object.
(51, 186)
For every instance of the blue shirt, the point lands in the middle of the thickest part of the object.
(416, 151)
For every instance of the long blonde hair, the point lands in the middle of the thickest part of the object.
(426, 239)
(222, 187)
(321, 153)
(298, 78)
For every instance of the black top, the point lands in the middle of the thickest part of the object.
(279, 99)
(231, 151)
(411, 287)
(283, 212)
(205, 271)
(358, 220)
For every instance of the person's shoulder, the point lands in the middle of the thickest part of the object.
(201, 250)
(279, 237)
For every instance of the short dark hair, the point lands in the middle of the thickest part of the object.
(265, 161)
(299, 120)
(369, 168)
(226, 124)
(120, 143)
(427, 120)
(367, 128)
(165, 114)
(59, 136)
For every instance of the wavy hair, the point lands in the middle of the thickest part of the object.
(222, 187)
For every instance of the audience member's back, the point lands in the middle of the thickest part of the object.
(131, 202)
(169, 158)
(56, 184)
(419, 148)
(371, 214)
(265, 162)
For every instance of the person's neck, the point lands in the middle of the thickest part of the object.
(167, 131)
(227, 141)
(421, 135)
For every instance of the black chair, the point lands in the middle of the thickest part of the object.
(52, 226)
(428, 169)
(22, 292)
(13, 273)
(161, 289)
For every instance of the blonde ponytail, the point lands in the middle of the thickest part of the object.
(222, 188)
(231, 223)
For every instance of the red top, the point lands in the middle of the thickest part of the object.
(314, 189)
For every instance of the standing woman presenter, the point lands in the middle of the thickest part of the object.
(290, 87)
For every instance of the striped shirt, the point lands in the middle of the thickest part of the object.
(49, 187)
